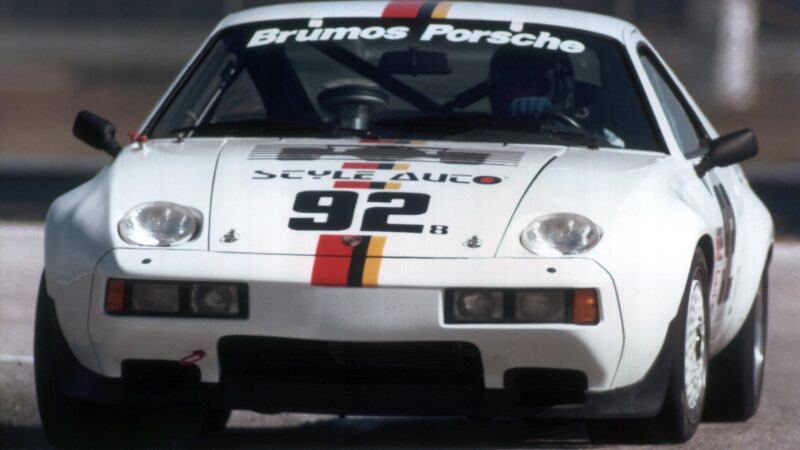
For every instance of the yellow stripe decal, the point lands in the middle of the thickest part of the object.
(400, 166)
(372, 266)
(392, 185)
(441, 10)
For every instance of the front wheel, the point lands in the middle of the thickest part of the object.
(686, 392)
(683, 406)
(74, 423)
(737, 373)
(66, 421)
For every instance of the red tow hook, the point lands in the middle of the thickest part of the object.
(193, 358)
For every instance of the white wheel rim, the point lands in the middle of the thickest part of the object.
(694, 367)
(759, 341)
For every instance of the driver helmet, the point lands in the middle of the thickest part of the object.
(516, 72)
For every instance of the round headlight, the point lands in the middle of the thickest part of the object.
(159, 224)
(560, 234)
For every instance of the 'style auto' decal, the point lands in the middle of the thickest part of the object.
(369, 176)
(347, 260)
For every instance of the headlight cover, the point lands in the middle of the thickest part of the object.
(560, 234)
(159, 224)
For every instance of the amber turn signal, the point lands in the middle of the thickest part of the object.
(115, 296)
(585, 310)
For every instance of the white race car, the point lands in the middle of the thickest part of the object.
(409, 208)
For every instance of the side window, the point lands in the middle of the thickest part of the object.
(686, 130)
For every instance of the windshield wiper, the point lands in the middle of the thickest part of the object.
(246, 127)
(261, 127)
(455, 124)
(572, 134)
(447, 123)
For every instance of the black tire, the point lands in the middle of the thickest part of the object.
(677, 421)
(680, 416)
(66, 421)
(736, 376)
(72, 423)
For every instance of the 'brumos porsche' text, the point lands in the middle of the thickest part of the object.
(433, 32)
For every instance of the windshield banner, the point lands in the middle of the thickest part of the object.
(433, 32)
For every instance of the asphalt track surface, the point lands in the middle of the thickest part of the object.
(776, 426)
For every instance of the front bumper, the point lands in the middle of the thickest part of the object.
(407, 307)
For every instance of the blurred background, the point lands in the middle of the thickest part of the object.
(740, 59)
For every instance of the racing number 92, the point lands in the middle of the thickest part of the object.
(340, 206)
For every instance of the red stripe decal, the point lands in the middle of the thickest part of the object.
(360, 165)
(332, 263)
(402, 9)
(352, 184)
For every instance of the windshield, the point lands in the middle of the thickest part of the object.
(411, 80)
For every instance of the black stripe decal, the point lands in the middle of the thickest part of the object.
(357, 261)
(426, 11)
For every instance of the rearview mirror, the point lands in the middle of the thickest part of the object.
(729, 149)
(96, 131)
(414, 62)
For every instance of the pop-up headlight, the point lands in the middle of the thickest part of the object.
(160, 224)
(561, 234)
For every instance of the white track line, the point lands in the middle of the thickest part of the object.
(22, 359)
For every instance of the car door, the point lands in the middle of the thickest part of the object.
(723, 184)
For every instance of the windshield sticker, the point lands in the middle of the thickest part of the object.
(278, 36)
(386, 153)
(433, 32)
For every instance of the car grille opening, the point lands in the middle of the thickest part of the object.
(276, 374)
(545, 387)
(401, 363)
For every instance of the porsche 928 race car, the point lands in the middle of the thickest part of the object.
(410, 208)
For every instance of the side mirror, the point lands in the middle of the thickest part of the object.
(96, 131)
(729, 149)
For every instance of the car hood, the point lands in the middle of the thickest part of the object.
(385, 198)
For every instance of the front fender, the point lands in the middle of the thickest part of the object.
(76, 237)
(653, 212)
(82, 224)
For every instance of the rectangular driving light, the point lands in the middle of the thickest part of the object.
(540, 306)
(522, 306)
(176, 299)
(220, 300)
(158, 298)
(477, 306)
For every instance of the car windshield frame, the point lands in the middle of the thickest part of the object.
(545, 135)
